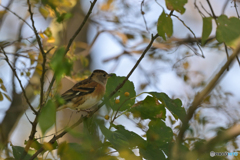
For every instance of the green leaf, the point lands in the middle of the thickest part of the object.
(70, 151)
(48, 32)
(207, 28)
(125, 101)
(151, 152)
(176, 5)
(174, 106)
(228, 29)
(1, 96)
(60, 64)
(164, 26)
(158, 133)
(149, 108)
(47, 116)
(133, 139)
(18, 151)
(64, 16)
(119, 142)
(44, 12)
(35, 144)
(1, 81)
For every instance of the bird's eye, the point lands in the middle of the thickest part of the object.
(104, 75)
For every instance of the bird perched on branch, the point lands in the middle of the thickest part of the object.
(86, 93)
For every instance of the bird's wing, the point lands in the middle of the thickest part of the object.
(81, 88)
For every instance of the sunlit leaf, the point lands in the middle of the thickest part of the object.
(48, 32)
(3, 88)
(124, 102)
(177, 5)
(228, 29)
(47, 116)
(35, 144)
(1, 96)
(44, 12)
(164, 26)
(7, 97)
(28, 74)
(207, 28)
(185, 65)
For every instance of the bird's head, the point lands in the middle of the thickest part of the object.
(100, 76)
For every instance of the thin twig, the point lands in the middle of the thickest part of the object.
(235, 6)
(224, 6)
(213, 14)
(142, 13)
(191, 32)
(99, 106)
(17, 16)
(199, 11)
(200, 96)
(72, 39)
(23, 90)
(81, 26)
(41, 50)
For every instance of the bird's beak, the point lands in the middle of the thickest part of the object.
(110, 75)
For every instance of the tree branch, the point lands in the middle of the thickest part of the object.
(72, 39)
(41, 50)
(200, 96)
(99, 106)
(14, 72)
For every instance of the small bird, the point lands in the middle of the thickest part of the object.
(86, 93)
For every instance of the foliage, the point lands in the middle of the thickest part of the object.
(171, 129)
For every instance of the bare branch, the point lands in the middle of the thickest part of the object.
(17, 16)
(200, 96)
(191, 32)
(41, 50)
(23, 90)
(142, 13)
(235, 6)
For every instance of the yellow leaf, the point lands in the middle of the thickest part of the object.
(44, 12)
(7, 97)
(41, 35)
(39, 69)
(1, 96)
(107, 6)
(2, 13)
(51, 40)
(47, 146)
(185, 65)
(122, 36)
(31, 56)
(3, 88)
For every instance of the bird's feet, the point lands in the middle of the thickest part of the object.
(88, 111)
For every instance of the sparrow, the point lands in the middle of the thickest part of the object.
(86, 93)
